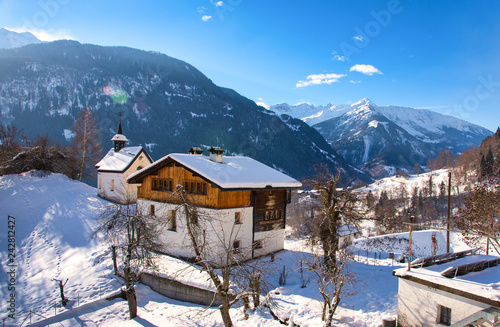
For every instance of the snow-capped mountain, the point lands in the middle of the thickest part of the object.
(309, 113)
(380, 140)
(166, 104)
(10, 39)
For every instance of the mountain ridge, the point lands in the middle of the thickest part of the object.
(381, 140)
(166, 104)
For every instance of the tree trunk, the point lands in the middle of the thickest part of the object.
(132, 302)
(115, 266)
(84, 146)
(224, 311)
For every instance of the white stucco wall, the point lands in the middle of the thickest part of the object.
(220, 231)
(272, 241)
(418, 305)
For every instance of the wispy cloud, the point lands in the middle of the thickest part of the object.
(316, 79)
(358, 38)
(217, 3)
(201, 9)
(45, 35)
(354, 82)
(206, 18)
(337, 56)
(365, 69)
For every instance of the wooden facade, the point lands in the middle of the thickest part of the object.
(269, 209)
(201, 191)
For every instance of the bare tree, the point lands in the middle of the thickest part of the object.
(334, 283)
(86, 144)
(478, 216)
(233, 276)
(64, 300)
(136, 237)
(44, 155)
(335, 206)
(12, 141)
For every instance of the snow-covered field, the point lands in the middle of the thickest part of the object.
(54, 217)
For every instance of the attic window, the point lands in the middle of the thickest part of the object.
(162, 184)
(195, 187)
(139, 167)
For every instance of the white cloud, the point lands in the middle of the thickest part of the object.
(316, 79)
(45, 35)
(217, 3)
(354, 82)
(206, 18)
(358, 38)
(339, 58)
(262, 104)
(365, 69)
(201, 9)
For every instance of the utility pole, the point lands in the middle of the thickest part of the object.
(409, 247)
(489, 233)
(448, 218)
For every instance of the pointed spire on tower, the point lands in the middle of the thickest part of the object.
(120, 125)
(119, 138)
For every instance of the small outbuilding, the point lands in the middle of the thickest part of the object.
(116, 166)
(455, 289)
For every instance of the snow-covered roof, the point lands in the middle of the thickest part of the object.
(119, 137)
(118, 161)
(347, 229)
(235, 172)
(484, 284)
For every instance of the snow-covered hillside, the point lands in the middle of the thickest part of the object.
(53, 222)
(54, 217)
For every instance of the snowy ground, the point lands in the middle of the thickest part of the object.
(54, 219)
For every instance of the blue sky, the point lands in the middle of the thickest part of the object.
(440, 55)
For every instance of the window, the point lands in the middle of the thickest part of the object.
(162, 184)
(139, 167)
(152, 209)
(195, 187)
(272, 215)
(257, 244)
(444, 315)
(236, 247)
(172, 223)
(112, 188)
(237, 218)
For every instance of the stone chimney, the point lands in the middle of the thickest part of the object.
(216, 154)
(196, 150)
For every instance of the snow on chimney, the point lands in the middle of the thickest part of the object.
(216, 154)
(196, 150)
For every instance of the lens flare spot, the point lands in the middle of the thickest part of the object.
(107, 90)
(119, 97)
